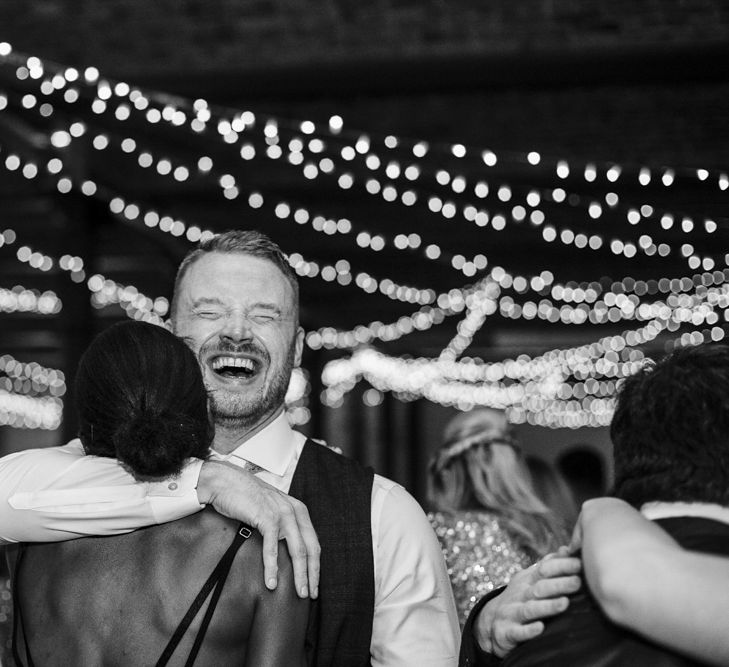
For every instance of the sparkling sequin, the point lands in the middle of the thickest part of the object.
(479, 553)
(6, 618)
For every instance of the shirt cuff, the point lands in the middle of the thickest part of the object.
(472, 655)
(175, 498)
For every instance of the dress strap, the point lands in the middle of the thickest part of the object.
(214, 584)
(18, 626)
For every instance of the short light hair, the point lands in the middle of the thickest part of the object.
(243, 242)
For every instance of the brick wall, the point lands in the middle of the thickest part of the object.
(130, 36)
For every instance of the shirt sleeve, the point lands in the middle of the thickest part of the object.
(415, 620)
(59, 493)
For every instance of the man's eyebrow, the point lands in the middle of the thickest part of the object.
(215, 301)
(207, 301)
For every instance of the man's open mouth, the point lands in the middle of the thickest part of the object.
(234, 367)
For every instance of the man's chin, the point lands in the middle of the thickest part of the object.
(232, 411)
(228, 412)
(234, 422)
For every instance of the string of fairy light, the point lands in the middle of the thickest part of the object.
(341, 275)
(546, 310)
(481, 218)
(604, 301)
(30, 394)
(271, 130)
(559, 389)
(519, 213)
(19, 299)
(177, 227)
(681, 303)
(225, 129)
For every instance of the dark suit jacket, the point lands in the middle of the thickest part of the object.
(583, 636)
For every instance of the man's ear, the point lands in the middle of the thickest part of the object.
(299, 346)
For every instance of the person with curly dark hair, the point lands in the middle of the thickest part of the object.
(141, 400)
(670, 429)
(670, 434)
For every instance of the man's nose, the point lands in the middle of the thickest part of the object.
(236, 329)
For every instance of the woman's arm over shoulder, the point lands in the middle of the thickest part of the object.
(645, 581)
(618, 546)
(59, 493)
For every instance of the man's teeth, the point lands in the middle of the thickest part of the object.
(232, 362)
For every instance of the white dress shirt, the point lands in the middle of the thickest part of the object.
(666, 510)
(59, 493)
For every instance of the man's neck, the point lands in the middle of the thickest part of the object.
(228, 436)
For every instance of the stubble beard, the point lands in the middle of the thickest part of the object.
(233, 410)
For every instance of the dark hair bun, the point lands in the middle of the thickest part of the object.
(153, 445)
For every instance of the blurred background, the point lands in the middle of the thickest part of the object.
(508, 203)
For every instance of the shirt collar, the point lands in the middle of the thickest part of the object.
(271, 448)
(662, 510)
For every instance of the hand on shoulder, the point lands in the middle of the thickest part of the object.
(536, 593)
(240, 495)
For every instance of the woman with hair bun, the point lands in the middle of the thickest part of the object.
(488, 517)
(150, 596)
(140, 398)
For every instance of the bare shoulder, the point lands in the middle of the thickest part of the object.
(157, 572)
(249, 573)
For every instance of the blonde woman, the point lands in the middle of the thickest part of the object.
(488, 518)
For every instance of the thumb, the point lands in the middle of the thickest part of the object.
(576, 541)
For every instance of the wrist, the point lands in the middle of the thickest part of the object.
(483, 628)
(208, 483)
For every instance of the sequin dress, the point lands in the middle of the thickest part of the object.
(6, 618)
(480, 555)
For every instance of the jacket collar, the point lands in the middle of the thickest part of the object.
(663, 510)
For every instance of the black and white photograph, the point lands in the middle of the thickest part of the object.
(338, 334)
